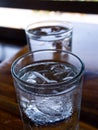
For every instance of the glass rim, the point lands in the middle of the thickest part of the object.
(54, 85)
(46, 23)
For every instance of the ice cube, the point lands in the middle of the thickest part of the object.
(48, 106)
(60, 68)
(36, 78)
(30, 77)
(58, 29)
(67, 78)
(60, 71)
(23, 102)
(55, 106)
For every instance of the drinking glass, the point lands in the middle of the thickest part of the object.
(48, 86)
(49, 35)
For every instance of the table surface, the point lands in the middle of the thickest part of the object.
(85, 45)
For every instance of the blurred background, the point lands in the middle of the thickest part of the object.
(16, 15)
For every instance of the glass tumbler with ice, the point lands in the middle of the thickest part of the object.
(52, 34)
(48, 85)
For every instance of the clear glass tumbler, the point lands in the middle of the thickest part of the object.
(49, 35)
(48, 85)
